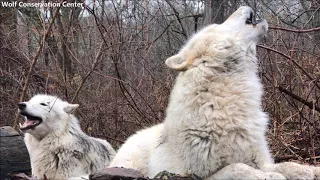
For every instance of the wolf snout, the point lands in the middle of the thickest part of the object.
(22, 105)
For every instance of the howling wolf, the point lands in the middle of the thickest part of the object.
(58, 148)
(215, 126)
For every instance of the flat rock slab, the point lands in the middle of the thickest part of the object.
(117, 174)
(131, 174)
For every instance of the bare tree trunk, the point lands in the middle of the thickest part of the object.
(214, 11)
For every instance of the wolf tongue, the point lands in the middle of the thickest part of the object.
(27, 123)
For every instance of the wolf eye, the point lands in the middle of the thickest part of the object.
(43, 104)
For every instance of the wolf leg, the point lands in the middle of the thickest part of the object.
(83, 177)
(290, 170)
(294, 171)
(243, 171)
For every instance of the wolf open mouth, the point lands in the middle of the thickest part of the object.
(30, 121)
(252, 20)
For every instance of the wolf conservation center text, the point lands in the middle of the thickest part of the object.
(40, 4)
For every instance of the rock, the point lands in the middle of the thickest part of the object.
(117, 174)
(14, 154)
(131, 174)
(165, 175)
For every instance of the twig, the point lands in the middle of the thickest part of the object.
(121, 82)
(283, 158)
(287, 146)
(94, 64)
(311, 105)
(298, 98)
(294, 62)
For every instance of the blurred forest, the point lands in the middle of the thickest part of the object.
(109, 57)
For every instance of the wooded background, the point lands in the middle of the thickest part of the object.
(109, 57)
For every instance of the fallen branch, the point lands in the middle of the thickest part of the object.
(278, 159)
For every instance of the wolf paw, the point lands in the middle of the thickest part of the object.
(296, 171)
(316, 172)
(274, 175)
(243, 171)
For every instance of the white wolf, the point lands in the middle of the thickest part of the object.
(215, 126)
(58, 148)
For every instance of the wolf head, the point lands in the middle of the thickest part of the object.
(45, 114)
(222, 47)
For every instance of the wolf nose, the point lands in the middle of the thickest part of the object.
(22, 105)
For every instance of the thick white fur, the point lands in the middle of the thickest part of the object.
(136, 154)
(58, 148)
(215, 126)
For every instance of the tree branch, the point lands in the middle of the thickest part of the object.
(298, 98)
(296, 31)
(93, 66)
(294, 62)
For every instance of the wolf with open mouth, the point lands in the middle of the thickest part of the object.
(58, 148)
(30, 121)
(215, 125)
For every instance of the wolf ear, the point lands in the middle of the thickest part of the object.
(70, 108)
(177, 62)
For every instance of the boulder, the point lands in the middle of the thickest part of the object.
(14, 154)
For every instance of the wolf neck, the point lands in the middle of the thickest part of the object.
(74, 126)
(199, 100)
